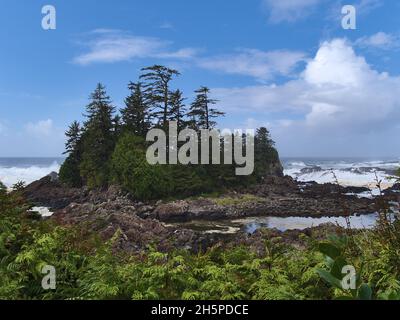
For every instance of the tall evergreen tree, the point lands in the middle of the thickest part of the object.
(73, 135)
(157, 91)
(69, 171)
(178, 110)
(99, 138)
(201, 110)
(265, 153)
(117, 126)
(135, 115)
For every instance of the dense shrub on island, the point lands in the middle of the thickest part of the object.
(130, 169)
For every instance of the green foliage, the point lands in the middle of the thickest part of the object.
(241, 200)
(335, 277)
(99, 152)
(201, 111)
(70, 172)
(177, 109)
(89, 268)
(98, 139)
(131, 170)
(264, 154)
(157, 91)
(19, 186)
(135, 115)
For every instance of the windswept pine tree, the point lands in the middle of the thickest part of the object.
(135, 115)
(157, 91)
(99, 138)
(201, 111)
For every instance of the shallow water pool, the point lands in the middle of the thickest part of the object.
(252, 224)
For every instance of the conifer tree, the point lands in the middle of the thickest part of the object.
(178, 110)
(117, 124)
(265, 153)
(99, 138)
(69, 171)
(201, 110)
(157, 91)
(73, 135)
(135, 115)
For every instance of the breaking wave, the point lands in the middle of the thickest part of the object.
(360, 173)
(11, 174)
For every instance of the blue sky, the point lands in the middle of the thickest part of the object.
(288, 65)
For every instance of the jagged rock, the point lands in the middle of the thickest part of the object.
(49, 192)
(53, 176)
(111, 210)
(275, 169)
(311, 169)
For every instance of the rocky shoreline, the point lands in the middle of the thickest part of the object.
(141, 224)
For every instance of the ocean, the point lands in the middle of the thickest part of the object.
(28, 170)
(359, 172)
(348, 171)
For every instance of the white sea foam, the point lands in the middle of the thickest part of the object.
(11, 175)
(360, 174)
(43, 211)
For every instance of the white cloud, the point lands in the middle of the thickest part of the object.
(337, 95)
(380, 40)
(366, 6)
(109, 46)
(167, 25)
(40, 128)
(289, 10)
(251, 62)
(34, 139)
(336, 64)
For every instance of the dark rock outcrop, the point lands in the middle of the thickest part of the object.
(118, 216)
(49, 192)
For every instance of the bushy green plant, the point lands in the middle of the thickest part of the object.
(131, 170)
(70, 172)
(335, 260)
(89, 268)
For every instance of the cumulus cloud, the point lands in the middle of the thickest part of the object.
(337, 94)
(289, 10)
(34, 139)
(380, 40)
(256, 63)
(109, 46)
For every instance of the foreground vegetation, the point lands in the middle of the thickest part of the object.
(88, 268)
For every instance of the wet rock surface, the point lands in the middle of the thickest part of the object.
(141, 224)
(135, 234)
